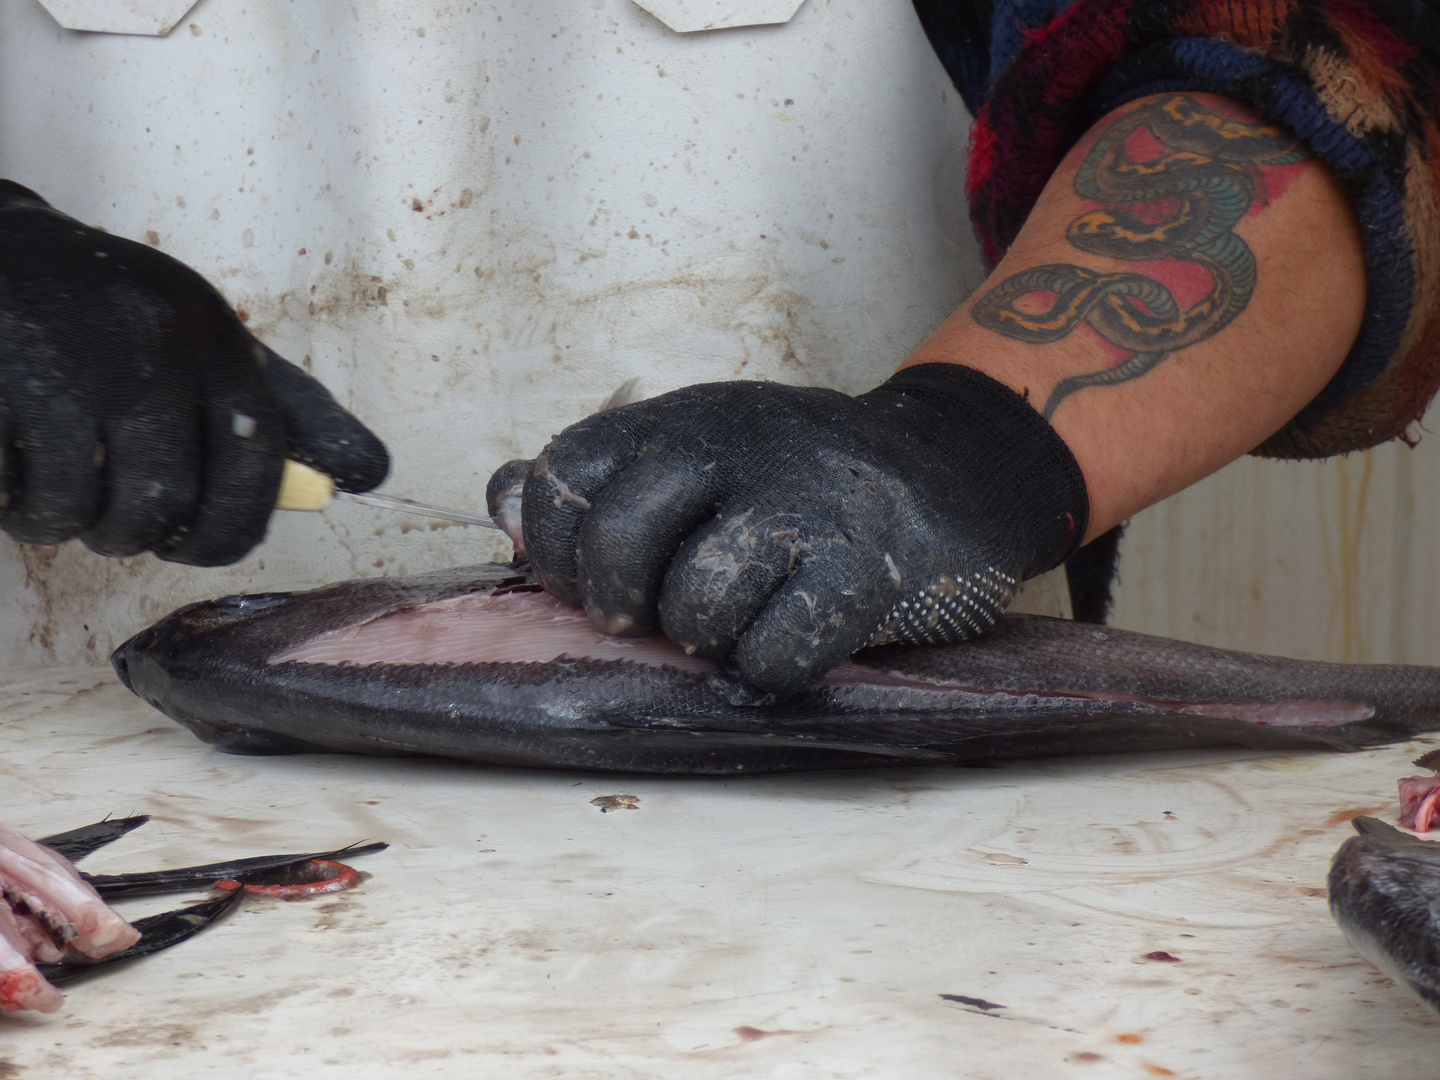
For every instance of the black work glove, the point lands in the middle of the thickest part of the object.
(782, 528)
(136, 411)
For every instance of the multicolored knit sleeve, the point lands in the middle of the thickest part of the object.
(1356, 80)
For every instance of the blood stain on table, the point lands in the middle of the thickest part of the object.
(754, 1034)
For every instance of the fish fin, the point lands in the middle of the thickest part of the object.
(1090, 574)
(75, 844)
(690, 738)
(157, 932)
(627, 393)
(1386, 833)
(205, 875)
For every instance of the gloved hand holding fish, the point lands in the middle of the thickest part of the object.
(780, 529)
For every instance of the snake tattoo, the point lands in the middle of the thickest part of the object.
(1182, 204)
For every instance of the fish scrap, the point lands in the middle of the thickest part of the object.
(55, 926)
(47, 911)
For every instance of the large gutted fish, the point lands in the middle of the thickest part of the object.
(479, 663)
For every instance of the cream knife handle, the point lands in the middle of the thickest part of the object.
(303, 488)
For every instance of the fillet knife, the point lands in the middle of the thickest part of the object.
(304, 488)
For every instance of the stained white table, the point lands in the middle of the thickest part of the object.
(908, 923)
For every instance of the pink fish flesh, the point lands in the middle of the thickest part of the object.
(1419, 801)
(45, 910)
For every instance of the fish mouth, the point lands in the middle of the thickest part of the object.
(120, 662)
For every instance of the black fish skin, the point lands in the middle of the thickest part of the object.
(1385, 893)
(206, 666)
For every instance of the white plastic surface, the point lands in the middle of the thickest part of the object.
(688, 16)
(917, 924)
(150, 17)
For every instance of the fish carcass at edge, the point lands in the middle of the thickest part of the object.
(479, 663)
(46, 911)
(1385, 893)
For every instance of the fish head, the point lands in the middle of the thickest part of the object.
(1384, 889)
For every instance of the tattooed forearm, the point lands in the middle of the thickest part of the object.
(1172, 179)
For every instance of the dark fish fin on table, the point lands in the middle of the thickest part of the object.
(161, 931)
(112, 886)
(75, 844)
(157, 932)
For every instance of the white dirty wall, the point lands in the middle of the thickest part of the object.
(473, 221)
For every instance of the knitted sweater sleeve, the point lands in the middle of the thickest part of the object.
(1356, 80)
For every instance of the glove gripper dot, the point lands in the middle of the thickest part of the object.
(949, 611)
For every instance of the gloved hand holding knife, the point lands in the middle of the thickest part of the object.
(136, 411)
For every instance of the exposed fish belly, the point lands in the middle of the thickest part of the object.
(495, 627)
(477, 663)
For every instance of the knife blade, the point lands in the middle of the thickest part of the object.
(304, 488)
